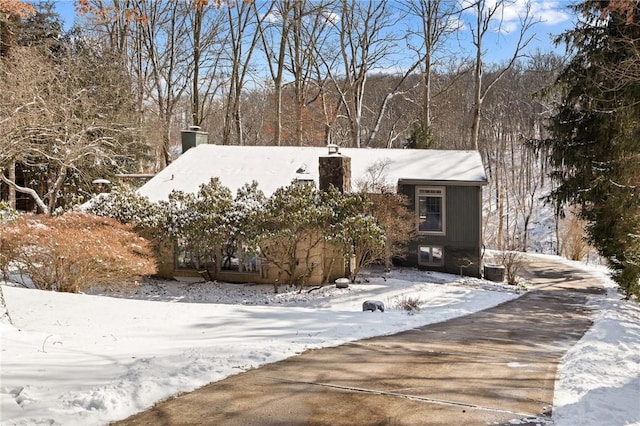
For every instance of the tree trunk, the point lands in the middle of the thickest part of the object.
(55, 189)
(165, 153)
(196, 119)
(477, 85)
(237, 118)
(12, 190)
(4, 310)
(277, 125)
(500, 235)
(41, 205)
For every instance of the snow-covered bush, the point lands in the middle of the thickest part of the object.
(354, 228)
(126, 206)
(297, 230)
(242, 232)
(290, 232)
(7, 214)
(301, 228)
(198, 222)
(76, 250)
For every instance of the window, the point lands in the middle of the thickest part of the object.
(188, 257)
(432, 256)
(235, 258)
(430, 208)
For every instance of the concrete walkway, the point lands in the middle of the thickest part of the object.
(486, 368)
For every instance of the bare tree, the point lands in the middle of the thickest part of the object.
(171, 47)
(398, 90)
(486, 15)
(164, 35)
(65, 120)
(114, 26)
(309, 31)
(365, 43)
(438, 23)
(245, 21)
(11, 12)
(274, 33)
(112, 22)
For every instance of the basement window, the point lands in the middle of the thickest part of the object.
(430, 256)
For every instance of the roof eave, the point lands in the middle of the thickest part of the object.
(443, 182)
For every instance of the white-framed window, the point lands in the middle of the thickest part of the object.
(430, 209)
(430, 256)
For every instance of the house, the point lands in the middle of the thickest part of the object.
(444, 189)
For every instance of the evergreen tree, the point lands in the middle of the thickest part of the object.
(420, 138)
(43, 29)
(595, 133)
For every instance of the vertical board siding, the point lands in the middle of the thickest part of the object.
(463, 217)
(463, 223)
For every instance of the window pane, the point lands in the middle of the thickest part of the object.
(234, 258)
(430, 213)
(436, 255)
(425, 255)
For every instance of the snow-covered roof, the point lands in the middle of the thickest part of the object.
(274, 167)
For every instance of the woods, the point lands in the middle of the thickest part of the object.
(110, 95)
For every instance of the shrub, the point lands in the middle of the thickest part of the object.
(352, 226)
(409, 304)
(389, 210)
(290, 231)
(198, 222)
(572, 238)
(513, 261)
(125, 205)
(7, 216)
(76, 250)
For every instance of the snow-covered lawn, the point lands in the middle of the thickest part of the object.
(81, 359)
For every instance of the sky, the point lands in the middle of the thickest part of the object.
(67, 359)
(552, 17)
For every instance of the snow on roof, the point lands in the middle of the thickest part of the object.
(274, 167)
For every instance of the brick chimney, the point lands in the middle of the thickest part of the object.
(335, 169)
(193, 137)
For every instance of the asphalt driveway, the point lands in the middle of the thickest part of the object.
(490, 367)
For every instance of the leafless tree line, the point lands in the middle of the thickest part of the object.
(358, 73)
(315, 63)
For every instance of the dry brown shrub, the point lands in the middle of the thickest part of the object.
(410, 305)
(74, 251)
(513, 262)
(572, 237)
